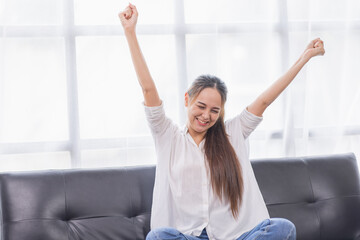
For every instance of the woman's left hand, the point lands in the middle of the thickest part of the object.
(314, 48)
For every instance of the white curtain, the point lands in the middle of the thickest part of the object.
(69, 96)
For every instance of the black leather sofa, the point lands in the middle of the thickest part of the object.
(320, 194)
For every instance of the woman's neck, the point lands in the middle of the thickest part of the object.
(196, 136)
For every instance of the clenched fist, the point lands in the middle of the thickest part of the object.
(129, 17)
(314, 48)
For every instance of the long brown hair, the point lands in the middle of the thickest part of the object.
(225, 169)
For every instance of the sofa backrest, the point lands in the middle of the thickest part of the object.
(320, 194)
(102, 204)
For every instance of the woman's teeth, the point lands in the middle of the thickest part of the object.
(201, 121)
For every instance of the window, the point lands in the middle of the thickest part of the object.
(69, 96)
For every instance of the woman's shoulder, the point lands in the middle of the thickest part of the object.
(159, 122)
(244, 123)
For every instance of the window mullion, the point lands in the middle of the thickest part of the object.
(72, 85)
(289, 133)
(180, 43)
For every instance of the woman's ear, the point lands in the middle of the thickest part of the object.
(186, 99)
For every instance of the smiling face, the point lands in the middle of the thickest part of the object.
(203, 112)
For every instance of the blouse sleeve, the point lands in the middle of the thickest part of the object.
(158, 122)
(245, 123)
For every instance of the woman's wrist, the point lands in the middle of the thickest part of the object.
(305, 57)
(129, 31)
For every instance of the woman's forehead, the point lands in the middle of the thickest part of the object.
(210, 97)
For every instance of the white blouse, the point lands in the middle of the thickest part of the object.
(183, 196)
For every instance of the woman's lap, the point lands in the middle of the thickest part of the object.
(269, 229)
(168, 234)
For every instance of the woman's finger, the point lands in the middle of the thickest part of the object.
(319, 44)
(128, 13)
(315, 41)
(133, 8)
(121, 16)
(124, 16)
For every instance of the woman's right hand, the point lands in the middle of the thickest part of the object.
(129, 17)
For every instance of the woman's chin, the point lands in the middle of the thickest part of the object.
(201, 129)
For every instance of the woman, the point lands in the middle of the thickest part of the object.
(205, 187)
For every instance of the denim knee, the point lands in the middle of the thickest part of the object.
(284, 227)
(151, 236)
(164, 234)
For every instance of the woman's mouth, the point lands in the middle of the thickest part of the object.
(202, 123)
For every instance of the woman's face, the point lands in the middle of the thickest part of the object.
(203, 111)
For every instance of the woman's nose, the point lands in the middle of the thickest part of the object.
(206, 115)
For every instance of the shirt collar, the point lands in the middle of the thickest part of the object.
(189, 137)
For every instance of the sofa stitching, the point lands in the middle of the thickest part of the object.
(130, 194)
(320, 200)
(312, 190)
(75, 219)
(35, 219)
(65, 197)
(131, 202)
(1, 217)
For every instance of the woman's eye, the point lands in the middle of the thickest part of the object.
(201, 107)
(215, 111)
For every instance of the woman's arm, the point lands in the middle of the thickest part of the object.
(314, 48)
(128, 20)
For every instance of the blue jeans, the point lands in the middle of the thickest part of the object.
(269, 229)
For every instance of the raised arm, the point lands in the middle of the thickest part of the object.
(314, 48)
(128, 19)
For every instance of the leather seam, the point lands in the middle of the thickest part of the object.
(321, 200)
(34, 219)
(65, 199)
(312, 190)
(1, 217)
(93, 217)
(75, 219)
(65, 196)
(131, 202)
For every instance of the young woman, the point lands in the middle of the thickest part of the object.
(205, 187)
